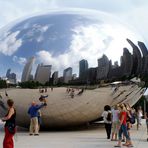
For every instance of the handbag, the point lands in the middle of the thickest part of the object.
(11, 128)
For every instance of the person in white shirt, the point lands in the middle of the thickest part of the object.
(107, 120)
(115, 122)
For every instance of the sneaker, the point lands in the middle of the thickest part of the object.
(36, 134)
(30, 134)
(117, 146)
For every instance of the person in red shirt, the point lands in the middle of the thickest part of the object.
(123, 128)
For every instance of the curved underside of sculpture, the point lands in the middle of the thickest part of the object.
(63, 110)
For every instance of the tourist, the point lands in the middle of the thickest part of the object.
(42, 98)
(146, 118)
(139, 115)
(107, 120)
(115, 123)
(10, 126)
(33, 112)
(123, 128)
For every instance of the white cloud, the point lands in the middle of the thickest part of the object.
(9, 44)
(19, 60)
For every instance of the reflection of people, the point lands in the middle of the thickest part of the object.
(81, 91)
(33, 112)
(9, 125)
(72, 93)
(42, 97)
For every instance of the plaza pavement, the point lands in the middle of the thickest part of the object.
(92, 136)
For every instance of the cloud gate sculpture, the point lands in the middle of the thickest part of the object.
(93, 54)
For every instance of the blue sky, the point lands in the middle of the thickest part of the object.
(133, 12)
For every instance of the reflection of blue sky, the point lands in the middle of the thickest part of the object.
(63, 39)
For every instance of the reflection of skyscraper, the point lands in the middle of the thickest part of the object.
(91, 75)
(11, 76)
(137, 59)
(55, 77)
(83, 66)
(43, 73)
(8, 73)
(103, 67)
(144, 58)
(27, 69)
(67, 75)
(126, 62)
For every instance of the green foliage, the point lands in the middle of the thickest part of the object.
(3, 84)
(30, 84)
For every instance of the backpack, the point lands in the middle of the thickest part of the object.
(132, 119)
(109, 116)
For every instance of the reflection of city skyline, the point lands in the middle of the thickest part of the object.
(134, 64)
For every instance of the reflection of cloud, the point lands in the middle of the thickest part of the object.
(37, 31)
(19, 60)
(89, 42)
(9, 44)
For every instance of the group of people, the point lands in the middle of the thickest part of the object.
(10, 121)
(119, 120)
(71, 92)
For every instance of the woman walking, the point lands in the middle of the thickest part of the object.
(123, 128)
(10, 127)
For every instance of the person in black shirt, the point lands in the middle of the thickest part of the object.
(10, 126)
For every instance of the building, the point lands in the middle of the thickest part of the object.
(74, 76)
(83, 67)
(55, 78)
(67, 75)
(11, 77)
(137, 59)
(126, 62)
(103, 67)
(27, 69)
(91, 75)
(43, 73)
(144, 58)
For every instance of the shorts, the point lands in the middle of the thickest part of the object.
(115, 126)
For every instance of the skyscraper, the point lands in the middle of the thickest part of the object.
(144, 58)
(55, 77)
(83, 67)
(103, 67)
(126, 62)
(43, 73)
(8, 73)
(67, 75)
(11, 76)
(137, 59)
(27, 69)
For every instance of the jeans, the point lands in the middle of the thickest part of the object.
(123, 129)
(108, 127)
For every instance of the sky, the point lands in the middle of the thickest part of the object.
(132, 12)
